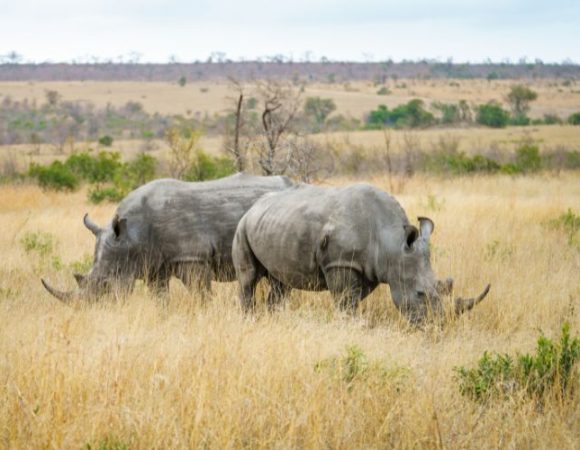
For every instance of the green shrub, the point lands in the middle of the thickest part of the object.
(450, 112)
(108, 193)
(354, 366)
(384, 90)
(567, 222)
(492, 115)
(550, 369)
(521, 120)
(410, 115)
(95, 169)
(56, 176)
(207, 167)
(106, 141)
(458, 163)
(528, 158)
(574, 119)
(41, 243)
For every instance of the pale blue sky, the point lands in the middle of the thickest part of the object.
(63, 30)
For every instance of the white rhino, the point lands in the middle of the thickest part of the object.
(171, 228)
(344, 239)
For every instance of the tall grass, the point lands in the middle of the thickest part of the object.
(137, 374)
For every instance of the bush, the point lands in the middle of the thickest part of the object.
(521, 120)
(528, 158)
(458, 163)
(207, 167)
(567, 222)
(409, 115)
(56, 176)
(492, 115)
(106, 141)
(449, 112)
(100, 169)
(384, 91)
(109, 193)
(574, 119)
(354, 366)
(549, 370)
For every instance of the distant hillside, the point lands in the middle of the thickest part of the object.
(306, 71)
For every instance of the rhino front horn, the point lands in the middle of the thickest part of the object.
(65, 297)
(95, 229)
(463, 305)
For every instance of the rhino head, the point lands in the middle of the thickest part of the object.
(114, 266)
(416, 291)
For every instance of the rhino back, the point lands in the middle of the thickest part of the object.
(301, 232)
(187, 221)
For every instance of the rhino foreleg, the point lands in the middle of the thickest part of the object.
(348, 287)
(158, 281)
(196, 277)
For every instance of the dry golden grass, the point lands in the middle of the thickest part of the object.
(353, 98)
(137, 374)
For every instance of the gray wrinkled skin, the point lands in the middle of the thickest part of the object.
(171, 228)
(347, 240)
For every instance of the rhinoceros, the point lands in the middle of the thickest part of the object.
(170, 228)
(346, 240)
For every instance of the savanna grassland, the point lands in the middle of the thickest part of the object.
(135, 373)
(142, 373)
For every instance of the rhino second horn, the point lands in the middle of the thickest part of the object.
(463, 305)
(65, 297)
(95, 229)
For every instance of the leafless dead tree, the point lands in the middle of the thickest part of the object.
(309, 161)
(282, 102)
(233, 144)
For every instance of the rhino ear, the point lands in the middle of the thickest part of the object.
(427, 226)
(411, 235)
(119, 226)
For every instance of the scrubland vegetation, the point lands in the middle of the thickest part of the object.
(140, 372)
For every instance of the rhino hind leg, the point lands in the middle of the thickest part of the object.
(277, 293)
(347, 287)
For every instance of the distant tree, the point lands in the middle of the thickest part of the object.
(318, 109)
(519, 99)
(281, 102)
(182, 81)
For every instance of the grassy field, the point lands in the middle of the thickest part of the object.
(137, 374)
(352, 99)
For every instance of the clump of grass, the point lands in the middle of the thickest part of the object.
(354, 366)
(549, 370)
(569, 222)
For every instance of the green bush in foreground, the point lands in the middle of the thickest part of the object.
(549, 370)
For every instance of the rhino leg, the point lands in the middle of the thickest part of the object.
(195, 277)
(158, 281)
(348, 287)
(277, 292)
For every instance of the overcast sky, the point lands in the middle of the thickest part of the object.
(359, 30)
